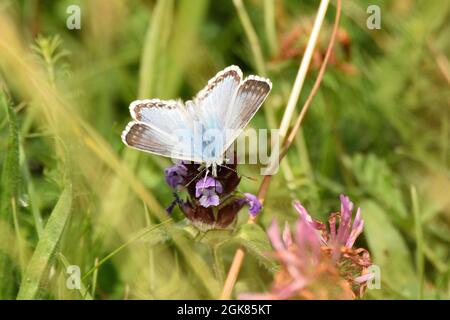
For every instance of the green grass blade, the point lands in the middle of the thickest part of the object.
(45, 250)
(270, 26)
(84, 292)
(152, 45)
(34, 200)
(10, 182)
(420, 258)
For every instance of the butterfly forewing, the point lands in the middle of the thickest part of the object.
(246, 101)
(212, 103)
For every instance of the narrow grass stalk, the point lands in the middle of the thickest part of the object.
(151, 253)
(251, 35)
(94, 277)
(420, 260)
(18, 235)
(240, 253)
(269, 24)
(147, 72)
(34, 200)
(302, 71)
(260, 65)
(187, 23)
(98, 264)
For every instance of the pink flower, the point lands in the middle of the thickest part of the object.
(346, 234)
(298, 253)
(317, 263)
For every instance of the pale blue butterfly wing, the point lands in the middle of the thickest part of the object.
(212, 103)
(154, 123)
(246, 101)
(226, 103)
(211, 106)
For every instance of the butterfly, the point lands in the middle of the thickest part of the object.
(202, 129)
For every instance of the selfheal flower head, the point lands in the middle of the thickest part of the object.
(226, 176)
(211, 202)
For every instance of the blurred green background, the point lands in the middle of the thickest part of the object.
(378, 131)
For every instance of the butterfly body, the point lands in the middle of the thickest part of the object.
(202, 129)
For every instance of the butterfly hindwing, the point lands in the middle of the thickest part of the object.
(158, 127)
(162, 114)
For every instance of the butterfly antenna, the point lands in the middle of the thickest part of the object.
(196, 176)
(243, 175)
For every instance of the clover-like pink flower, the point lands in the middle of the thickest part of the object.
(317, 262)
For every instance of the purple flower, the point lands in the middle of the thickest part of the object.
(175, 175)
(206, 190)
(254, 204)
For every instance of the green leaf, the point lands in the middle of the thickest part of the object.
(37, 269)
(10, 182)
(82, 290)
(255, 240)
(388, 250)
(375, 176)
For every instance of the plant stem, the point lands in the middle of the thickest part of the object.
(233, 274)
(304, 66)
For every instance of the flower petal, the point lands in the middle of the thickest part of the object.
(274, 236)
(209, 200)
(287, 235)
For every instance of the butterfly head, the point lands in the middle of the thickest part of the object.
(214, 164)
